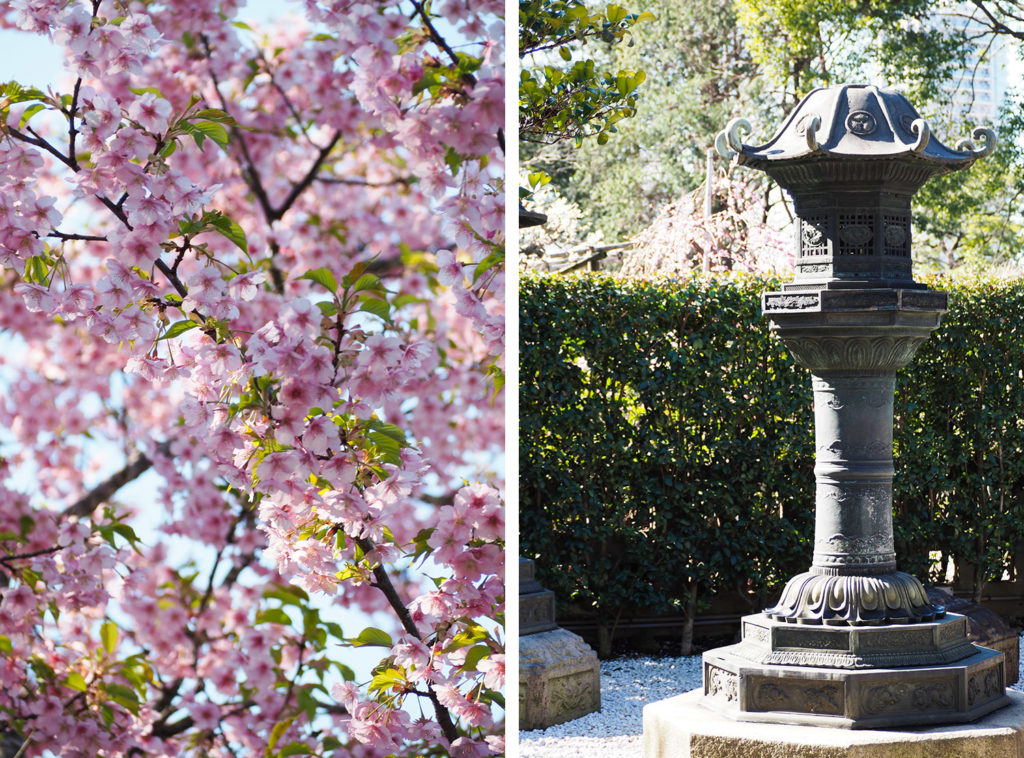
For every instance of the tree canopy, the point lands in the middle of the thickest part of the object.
(712, 60)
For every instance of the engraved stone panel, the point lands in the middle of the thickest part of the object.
(985, 685)
(800, 697)
(790, 302)
(756, 633)
(572, 694)
(903, 639)
(892, 698)
(955, 631)
(799, 638)
(722, 683)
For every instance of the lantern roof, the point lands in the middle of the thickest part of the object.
(854, 121)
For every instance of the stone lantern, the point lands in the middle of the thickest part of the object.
(853, 642)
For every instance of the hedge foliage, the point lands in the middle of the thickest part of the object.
(666, 441)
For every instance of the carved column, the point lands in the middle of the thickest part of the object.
(853, 577)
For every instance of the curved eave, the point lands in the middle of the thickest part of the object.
(943, 164)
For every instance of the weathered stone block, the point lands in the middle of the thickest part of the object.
(681, 727)
(559, 679)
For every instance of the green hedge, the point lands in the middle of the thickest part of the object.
(666, 441)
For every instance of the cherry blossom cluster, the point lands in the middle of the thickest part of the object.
(735, 237)
(251, 352)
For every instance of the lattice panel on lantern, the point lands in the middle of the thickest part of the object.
(897, 236)
(814, 236)
(856, 233)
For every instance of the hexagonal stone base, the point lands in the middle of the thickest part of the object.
(854, 698)
(767, 640)
(681, 727)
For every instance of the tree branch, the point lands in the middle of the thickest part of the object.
(434, 35)
(102, 492)
(384, 584)
(304, 182)
(363, 182)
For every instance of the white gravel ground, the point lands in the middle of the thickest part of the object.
(627, 685)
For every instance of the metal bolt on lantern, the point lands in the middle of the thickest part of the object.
(853, 641)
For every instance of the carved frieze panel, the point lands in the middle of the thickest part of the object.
(809, 640)
(573, 694)
(822, 697)
(985, 685)
(900, 639)
(756, 633)
(925, 696)
(722, 683)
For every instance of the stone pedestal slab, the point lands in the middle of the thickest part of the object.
(682, 727)
(559, 679)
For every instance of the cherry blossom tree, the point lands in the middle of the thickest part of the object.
(736, 236)
(256, 276)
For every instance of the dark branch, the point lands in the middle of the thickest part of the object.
(434, 35)
(363, 182)
(305, 181)
(102, 492)
(384, 584)
(66, 236)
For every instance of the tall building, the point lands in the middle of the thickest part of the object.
(979, 88)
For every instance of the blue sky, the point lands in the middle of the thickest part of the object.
(33, 59)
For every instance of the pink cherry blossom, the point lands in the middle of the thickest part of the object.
(248, 370)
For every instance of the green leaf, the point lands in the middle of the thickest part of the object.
(124, 696)
(147, 90)
(178, 328)
(287, 593)
(18, 94)
(231, 231)
(76, 682)
(323, 277)
(496, 258)
(273, 616)
(108, 636)
(476, 654)
(5, 645)
(215, 114)
(367, 282)
(37, 269)
(385, 680)
(213, 130)
(29, 113)
(377, 307)
(372, 636)
(394, 432)
(275, 735)
(296, 748)
(328, 307)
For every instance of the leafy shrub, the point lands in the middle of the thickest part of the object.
(666, 441)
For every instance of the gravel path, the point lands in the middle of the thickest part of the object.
(627, 685)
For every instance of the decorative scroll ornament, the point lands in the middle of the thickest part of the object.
(811, 134)
(729, 141)
(923, 132)
(991, 141)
